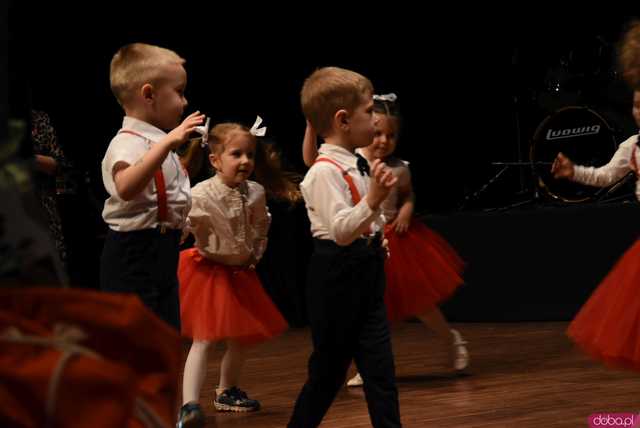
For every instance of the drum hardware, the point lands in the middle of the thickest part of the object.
(585, 137)
(579, 132)
(602, 195)
(505, 167)
(521, 164)
(567, 96)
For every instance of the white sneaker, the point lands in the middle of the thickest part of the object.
(459, 353)
(355, 381)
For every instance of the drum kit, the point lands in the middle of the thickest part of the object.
(577, 122)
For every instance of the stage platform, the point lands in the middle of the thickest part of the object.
(524, 375)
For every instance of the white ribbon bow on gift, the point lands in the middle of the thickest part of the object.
(258, 132)
(204, 131)
(386, 97)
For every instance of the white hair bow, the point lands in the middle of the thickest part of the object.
(204, 131)
(258, 132)
(386, 97)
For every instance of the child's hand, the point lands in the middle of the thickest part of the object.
(385, 246)
(562, 167)
(381, 182)
(401, 224)
(179, 135)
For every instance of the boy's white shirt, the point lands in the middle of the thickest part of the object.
(142, 211)
(328, 199)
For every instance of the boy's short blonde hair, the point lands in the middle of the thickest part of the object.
(137, 64)
(330, 89)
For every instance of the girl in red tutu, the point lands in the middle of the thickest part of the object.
(221, 298)
(607, 326)
(423, 269)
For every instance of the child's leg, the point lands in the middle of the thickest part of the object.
(144, 262)
(231, 365)
(435, 320)
(332, 303)
(230, 398)
(328, 366)
(168, 257)
(438, 323)
(374, 358)
(458, 353)
(195, 371)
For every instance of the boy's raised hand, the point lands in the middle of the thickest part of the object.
(180, 134)
(381, 182)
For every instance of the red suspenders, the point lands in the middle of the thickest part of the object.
(355, 195)
(163, 212)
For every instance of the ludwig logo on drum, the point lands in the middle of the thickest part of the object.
(572, 132)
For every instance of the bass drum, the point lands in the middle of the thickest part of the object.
(581, 134)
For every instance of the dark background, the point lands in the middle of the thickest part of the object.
(463, 77)
(473, 85)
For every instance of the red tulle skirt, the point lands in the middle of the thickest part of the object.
(608, 325)
(423, 270)
(219, 302)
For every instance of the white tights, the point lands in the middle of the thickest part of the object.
(195, 369)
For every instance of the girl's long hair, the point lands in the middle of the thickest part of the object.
(268, 171)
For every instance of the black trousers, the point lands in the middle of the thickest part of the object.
(144, 262)
(345, 299)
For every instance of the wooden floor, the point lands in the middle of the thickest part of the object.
(522, 375)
